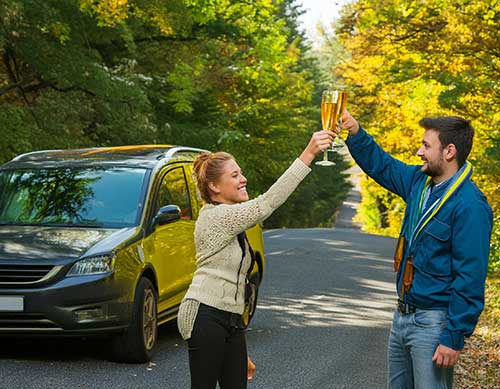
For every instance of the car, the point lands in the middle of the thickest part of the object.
(99, 241)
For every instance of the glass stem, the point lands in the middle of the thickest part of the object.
(336, 140)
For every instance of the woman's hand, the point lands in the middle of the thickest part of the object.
(320, 141)
(250, 369)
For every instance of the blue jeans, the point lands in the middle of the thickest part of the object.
(413, 340)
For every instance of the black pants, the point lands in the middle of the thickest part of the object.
(217, 351)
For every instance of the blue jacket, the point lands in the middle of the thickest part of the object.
(450, 254)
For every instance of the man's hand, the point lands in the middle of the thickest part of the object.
(350, 123)
(445, 356)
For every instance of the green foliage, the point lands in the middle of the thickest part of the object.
(215, 74)
(16, 138)
(495, 248)
(493, 296)
(314, 203)
(414, 59)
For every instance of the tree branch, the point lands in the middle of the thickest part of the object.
(70, 89)
(20, 84)
(6, 60)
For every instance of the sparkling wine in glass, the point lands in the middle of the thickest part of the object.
(329, 117)
(342, 98)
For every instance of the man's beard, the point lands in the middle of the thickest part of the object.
(434, 170)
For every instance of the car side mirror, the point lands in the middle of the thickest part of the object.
(167, 214)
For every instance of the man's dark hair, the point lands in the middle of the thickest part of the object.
(452, 130)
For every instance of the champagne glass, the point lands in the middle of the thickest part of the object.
(341, 108)
(329, 115)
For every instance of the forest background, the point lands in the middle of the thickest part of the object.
(240, 76)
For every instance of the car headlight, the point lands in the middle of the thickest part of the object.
(93, 265)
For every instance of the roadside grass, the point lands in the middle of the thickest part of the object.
(479, 363)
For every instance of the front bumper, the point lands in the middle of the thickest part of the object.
(80, 305)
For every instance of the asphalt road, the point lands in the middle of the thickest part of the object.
(323, 319)
(322, 322)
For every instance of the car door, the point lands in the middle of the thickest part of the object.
(170, 248)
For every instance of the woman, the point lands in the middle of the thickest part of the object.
(210, 313)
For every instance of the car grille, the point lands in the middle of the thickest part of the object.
(12, 276)
(25, 322)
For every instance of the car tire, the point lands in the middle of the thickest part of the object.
(137, 343)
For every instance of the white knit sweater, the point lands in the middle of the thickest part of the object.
(219, 278)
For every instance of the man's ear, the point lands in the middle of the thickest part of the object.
(450, 152)
(213, 187)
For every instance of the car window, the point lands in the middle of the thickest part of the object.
(173, 191)
(99, 197)
(196, 201)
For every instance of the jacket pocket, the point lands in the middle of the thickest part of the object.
(435, 249)
(438, 230)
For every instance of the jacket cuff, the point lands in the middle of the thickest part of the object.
(452, 339)
(358, 141)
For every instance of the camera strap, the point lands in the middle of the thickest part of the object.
(242, 238)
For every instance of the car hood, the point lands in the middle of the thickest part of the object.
(58, 244)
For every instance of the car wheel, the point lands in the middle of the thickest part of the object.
(136, 344)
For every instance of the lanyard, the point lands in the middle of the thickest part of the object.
(455, 183)
(415, 214)
(434, 204)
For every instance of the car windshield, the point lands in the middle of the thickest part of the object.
(73, 197)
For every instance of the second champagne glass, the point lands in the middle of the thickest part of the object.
(342, 102)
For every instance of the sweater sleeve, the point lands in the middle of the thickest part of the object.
(236, 218)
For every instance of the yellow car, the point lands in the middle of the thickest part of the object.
(99, 240)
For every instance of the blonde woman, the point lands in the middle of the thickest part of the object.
(211, 310)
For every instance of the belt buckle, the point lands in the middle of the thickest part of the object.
(406, 309)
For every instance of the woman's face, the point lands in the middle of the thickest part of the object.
(231, 187)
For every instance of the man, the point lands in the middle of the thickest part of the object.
(442, 254)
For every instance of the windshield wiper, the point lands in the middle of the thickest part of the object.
(48, 224)
(89, 225)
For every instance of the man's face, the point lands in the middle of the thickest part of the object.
(432, 154)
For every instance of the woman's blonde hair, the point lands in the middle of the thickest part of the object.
(208, 167)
